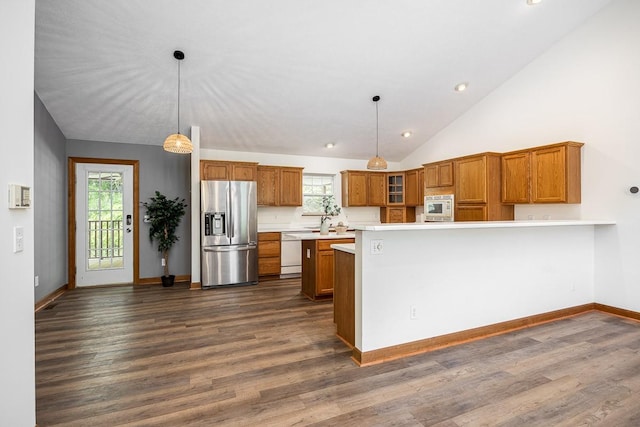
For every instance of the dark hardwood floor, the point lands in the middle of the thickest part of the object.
(265, 355)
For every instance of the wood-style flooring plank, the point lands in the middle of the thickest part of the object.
(266, 355)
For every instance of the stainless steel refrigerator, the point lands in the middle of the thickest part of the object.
(229, 233)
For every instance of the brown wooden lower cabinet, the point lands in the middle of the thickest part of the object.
(483, 212)
(396, 214)
(317, 267)
(344, 296)
(470, 213)
(268, 255)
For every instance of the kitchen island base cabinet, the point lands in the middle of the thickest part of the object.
(317, 267)
(344, 297)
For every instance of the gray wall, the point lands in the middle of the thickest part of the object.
(166, 172)
(49, 203)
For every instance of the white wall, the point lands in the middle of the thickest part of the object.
(324, 165)
(17, 374)
(460, 279)
(585, 88)
(195, 203)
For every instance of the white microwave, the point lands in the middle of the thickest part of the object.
(438, 208)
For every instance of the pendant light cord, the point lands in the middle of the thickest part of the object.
(178, 96)
(377, 129)
(377, 162)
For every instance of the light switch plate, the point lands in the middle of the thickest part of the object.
(18, 239)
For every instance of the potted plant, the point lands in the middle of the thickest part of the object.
(329, 209)
(164, 216)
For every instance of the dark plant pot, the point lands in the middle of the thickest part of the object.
(168, 280)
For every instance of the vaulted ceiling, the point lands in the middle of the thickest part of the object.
(284, 76)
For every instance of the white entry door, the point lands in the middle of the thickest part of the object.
(104, 224)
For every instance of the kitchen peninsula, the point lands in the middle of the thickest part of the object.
(317, 262)
(422, 286)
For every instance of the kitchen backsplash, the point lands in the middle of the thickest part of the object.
(293, 216)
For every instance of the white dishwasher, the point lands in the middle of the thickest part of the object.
(290, 256)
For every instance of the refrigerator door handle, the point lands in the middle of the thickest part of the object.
(228, 248)
(231, 213)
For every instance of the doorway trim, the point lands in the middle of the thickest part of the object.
(71, 213)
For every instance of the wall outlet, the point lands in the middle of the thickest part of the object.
(377, 247)
(413, 312)
(162, 262)
(36, 281)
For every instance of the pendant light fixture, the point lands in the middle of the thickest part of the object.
(178, 143)
(377, 162)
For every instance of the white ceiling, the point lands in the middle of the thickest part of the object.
(284, 76)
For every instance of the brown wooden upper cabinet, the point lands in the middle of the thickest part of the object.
(377, 189)
(279, 186)
(477, 189)
(395, 189)
(290, 186)
(223, 170)
(438, 174)
(515, 177)
(363, 188)
(355, 186)
(414, 187)
(471, 179)
(546, 174)
(268, 185)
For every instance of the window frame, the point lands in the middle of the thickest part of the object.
(332, 177)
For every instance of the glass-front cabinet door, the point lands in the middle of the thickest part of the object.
(395, 189)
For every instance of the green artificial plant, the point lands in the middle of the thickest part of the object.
(164, 216)
(329, 208)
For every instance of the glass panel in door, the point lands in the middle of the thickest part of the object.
(105, 220)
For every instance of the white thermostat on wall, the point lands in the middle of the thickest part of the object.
(19, 196)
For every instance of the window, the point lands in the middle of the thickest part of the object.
(314, 186)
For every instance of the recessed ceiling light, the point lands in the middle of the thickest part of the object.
(533, 2)
(406, 134)
(329, 145)
(460, 87)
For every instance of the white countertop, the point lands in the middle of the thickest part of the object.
(284, 228)
(318, 236)
(345, 247)
(480, 224)
(302, 228)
